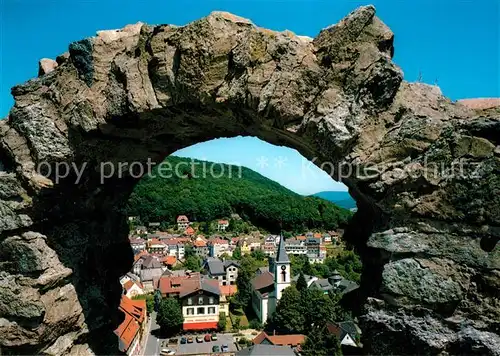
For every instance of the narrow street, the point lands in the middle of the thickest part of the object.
(152, 342)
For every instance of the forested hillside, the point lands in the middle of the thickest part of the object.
(211, 191)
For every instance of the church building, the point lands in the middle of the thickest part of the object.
(268, 285)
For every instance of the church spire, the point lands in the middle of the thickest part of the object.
(281, 256)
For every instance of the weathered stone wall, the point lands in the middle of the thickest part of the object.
(428, 237)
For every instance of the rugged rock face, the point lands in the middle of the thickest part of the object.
(425, 173)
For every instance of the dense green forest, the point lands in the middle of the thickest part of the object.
(205, 191)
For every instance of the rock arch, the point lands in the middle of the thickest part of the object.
(428, 238)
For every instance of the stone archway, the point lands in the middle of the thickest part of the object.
(427, 238)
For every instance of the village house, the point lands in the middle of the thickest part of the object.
(295, 247)
(348, 334)
(156, 246)
(268, 286)
(148, 268)
(175, 247)
(249, 244)
(132, 288)
(200, 248)
(335, 236)
(171, 285)
(316, 252)
(137, 244)
(169, 261)
(309, 279)
(131, 331)
(225, 272)
(226, 292)
(335, 283)
(189, 231)
(291, 340)
(217, 247)
(269, 245)
(269, 249)
(222, 225)
(182, 222)
(200, 305)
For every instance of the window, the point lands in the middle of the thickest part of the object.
(190, 301)
(200, 300)
(211, 310)
(283, 275)
(190, 311)
(231, 276)
(211, 300)
(200, 311)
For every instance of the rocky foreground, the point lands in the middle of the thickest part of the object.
(428, 223)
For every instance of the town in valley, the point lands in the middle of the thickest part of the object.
(226, 287)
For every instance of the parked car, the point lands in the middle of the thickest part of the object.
(225, 348)
(214, 337)
(190, 339)
(215, 348)
(167, 352)
(199, 338)
(183, 340)
(207, 338)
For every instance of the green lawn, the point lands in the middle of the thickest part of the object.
(238, 313)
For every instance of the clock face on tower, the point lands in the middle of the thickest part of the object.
(283, 268)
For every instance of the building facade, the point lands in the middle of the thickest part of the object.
(182, 222)
(268, 286)
(200, 305)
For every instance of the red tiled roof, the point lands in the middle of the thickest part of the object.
(129, 284)
(189, 231)
(333, 329)
(223, 222)
(281, 340)
(169, 260)
(259, 338)
(217, 241)
(317, 235)
(140, 254)
(155, 242)
(199, 243)
(135, 312)
(263, 280)
(177, 284)
(228, 290)
(182, 218)
(301, 237)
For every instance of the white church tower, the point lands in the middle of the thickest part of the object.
(282, 270)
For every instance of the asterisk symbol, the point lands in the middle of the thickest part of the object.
(262, 162)
(280, 162)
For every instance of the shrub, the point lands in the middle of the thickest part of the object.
(255, 324)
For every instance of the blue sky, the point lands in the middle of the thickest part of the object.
(455, 43)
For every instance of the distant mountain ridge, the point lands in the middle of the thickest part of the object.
(340, 198)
